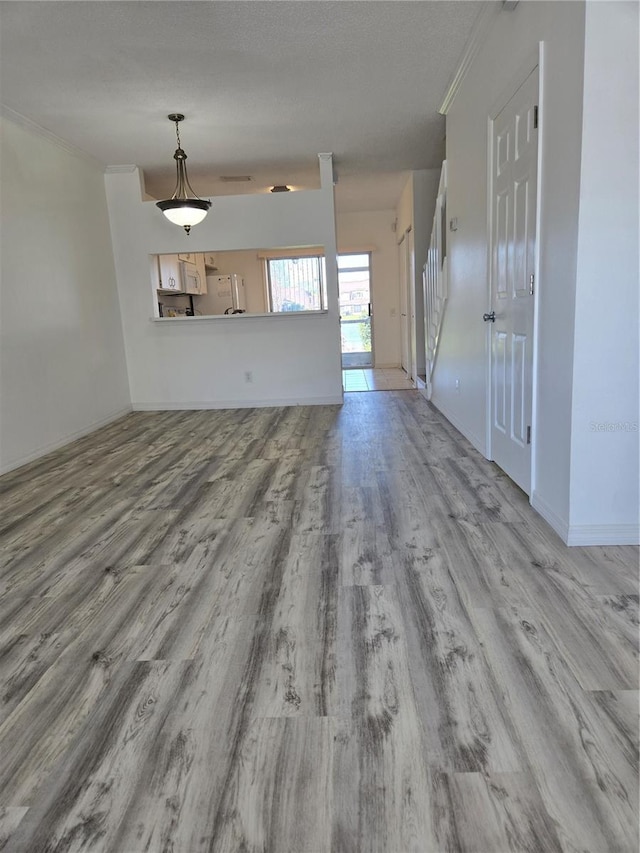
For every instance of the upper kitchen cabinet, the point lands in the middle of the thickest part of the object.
(180, 276)
(195, 275)
(170, 273)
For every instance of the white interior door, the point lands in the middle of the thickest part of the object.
(514, 200)
(404, 310)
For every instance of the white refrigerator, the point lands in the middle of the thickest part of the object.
(225, 294)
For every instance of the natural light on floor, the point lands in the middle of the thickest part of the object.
(376, 379)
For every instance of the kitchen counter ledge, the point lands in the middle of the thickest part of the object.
(218, 317)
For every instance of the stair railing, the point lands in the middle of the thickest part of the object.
(435, 280)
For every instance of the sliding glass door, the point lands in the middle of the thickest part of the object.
(354, 287)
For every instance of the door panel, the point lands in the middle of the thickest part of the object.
(502, 244)
(513, 219)
(523, 133)
(520, 227)
(519, 389)
(500, 381)
(503, 143)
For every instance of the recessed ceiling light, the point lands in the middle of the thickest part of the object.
(281, 188)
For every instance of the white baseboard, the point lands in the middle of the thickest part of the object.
(189, 405)
(586, 534)
(61, 442)
(478, 443)
(560, 525)
(604, 534)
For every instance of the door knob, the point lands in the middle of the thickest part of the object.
(489, 317)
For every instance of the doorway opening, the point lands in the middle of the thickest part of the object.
(354, 291)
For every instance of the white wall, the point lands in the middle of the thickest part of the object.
(513, 38)
(604, 445)
(374, 230)
(202, 363)
(584, 480)
(62, 366)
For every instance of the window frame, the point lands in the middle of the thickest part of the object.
(322, 280)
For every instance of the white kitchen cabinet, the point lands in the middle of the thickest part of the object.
(169, 274)
(189, 257)
(202, 272)
(194, 275)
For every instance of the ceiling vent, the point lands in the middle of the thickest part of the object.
(235, 179)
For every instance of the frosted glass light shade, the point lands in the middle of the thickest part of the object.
(185, 215)
(184, 211)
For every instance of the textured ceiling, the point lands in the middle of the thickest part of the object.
(265, 86)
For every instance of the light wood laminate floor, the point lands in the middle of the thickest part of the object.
(307, 630)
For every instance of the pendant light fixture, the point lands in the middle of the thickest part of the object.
(184, 207)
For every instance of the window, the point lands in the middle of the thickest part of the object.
(296, 283)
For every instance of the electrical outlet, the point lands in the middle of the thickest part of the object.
(248, 376)
(458, 385)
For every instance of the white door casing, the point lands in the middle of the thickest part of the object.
(404, 325)
(513, 181)
(411, 306)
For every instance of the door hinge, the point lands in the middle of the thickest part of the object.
(532, 280)
(528, 435)
(535, 117)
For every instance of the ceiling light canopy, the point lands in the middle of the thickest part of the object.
(281, 188)
(184, 207)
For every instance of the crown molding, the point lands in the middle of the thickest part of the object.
(486, 16)
(38, 130)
